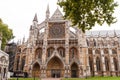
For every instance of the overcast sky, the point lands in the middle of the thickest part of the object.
(18, 14)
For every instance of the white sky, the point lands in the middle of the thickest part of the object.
(18, 14)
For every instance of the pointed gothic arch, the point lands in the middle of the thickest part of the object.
(50, 51)
(38, 53)
(74, 70)
(94, 41)
(73, 53)
(97, 51)
(107, 64)
(106, 51)
(91, 64)
(36, 70)
(98, 64)
(61, 51)
(87, 41)
(115, 61)
(90, 51)
(55, 67)
(114, 51)
(23, 63)
(17, 62)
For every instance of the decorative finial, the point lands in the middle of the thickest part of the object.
(115, 35)
(35, 18)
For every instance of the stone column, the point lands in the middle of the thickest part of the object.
(45, 43)
(67, 43)
(2, 72)
(94, 62)
(88, 66)
(103, 62)
(118, 56)
(43, 69)
(111, 62)
(19, 67)
(67, 69)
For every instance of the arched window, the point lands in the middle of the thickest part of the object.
(115, 64)
(61, 51)
(18, 59)
(38, 53)
(73, 53)
(107, 64)
(94, 42)
(19, 50)
(97, 51)
(87, 42)
(106, 51)
(50, 51)
(91, 64)
(98, 64)
(23, 63)
(114, 51)
(90, 50)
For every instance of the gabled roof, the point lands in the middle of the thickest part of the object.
(57, 15)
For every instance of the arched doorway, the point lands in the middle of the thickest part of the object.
(55, 68)
(36, 70)
(74, 70)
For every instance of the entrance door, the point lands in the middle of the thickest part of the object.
(74, 73)
(74, 70)
(55, 73)
(55, 68)
(36, 70)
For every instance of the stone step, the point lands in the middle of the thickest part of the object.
(50, 79)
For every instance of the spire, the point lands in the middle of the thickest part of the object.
(35, 18)
(47, 12)
(107, 35)
(115, 35)
(31, 27)
(91, 35)
(23, 40)
(99, 34)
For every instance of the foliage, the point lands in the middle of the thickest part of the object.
(6, 33)
(86, 13)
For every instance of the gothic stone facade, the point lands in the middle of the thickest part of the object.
(4, 63)
(55, 49)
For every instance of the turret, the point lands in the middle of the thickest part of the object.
(115, 35)
(23, 41)
(35, 21)
(47, 13)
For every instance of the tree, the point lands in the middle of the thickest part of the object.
(86, 13)
(7, 33)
